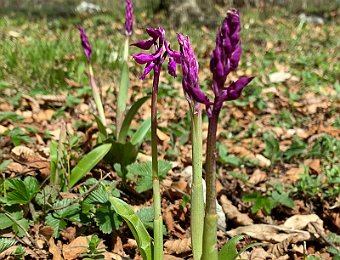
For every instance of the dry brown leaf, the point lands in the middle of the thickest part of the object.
(22, 151)
(118, 247)
(270, 233)
(74, 249)
(257, 177)
(44, 115)
(233, 213)
(263, 161)
(169, 220)
(281, 249)
(69, 233)
(3, 129)
(294, 174)
(314, 165)
(171, 257)
(259, 254)
(300, 222)
(15, 167)
(54, 250)
(178, 246)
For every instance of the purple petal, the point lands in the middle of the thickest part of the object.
(235, 89)
(143, 58)
(147, 69)
(172, 67)
(145, 45)
(85, 43)
(174, 54)
(235, 57)
(154, 33)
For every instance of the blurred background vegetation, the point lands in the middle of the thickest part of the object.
(67, 7)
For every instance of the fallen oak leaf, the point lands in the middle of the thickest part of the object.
(234, 214)
(178, 246)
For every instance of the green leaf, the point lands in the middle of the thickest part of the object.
(10, 116)
(67, 208)
(297, 148)
(128, 118)
(229, 251)
(87, 163)
(22, 192)
(272, 150)
(6, 222)
(146, 215)
(101, 127)
(99, 195)
(107, 220)
(144, 171)
(138, 137)
(122, 153)
(4, 165)
(53, 161)
(123, 89)
(136, 226)
(6, 243)
(56, 223)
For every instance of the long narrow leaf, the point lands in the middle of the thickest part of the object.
(136, 226)
(229, 251)
(88, 162)
(101, 127)
(53, 161)
(128, 118)
(138, 137)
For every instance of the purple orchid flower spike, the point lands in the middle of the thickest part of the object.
(225, 58)
(153, 61)
(85, 43)
(190, 80)
(128, 17)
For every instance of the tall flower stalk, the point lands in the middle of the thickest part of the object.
(124, 83)
(154, 62)
(194, 96)
(225, 58)
(95, 91)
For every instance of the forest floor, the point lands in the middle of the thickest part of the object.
(278, 145)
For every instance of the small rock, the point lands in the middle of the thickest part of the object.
(86, 7)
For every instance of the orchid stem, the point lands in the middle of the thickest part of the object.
(210, 220)
(158, 221)
(197, 202)
(123, 88)
(96, 97)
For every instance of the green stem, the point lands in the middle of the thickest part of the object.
(96, 97)
(197, 202)
(210, 220)
(158, 221)
(123, 88)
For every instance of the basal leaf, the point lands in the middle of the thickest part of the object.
(88, 162)
(136, 226)
(101, 127)
(229, 251)
(128, 118)
(138, 137)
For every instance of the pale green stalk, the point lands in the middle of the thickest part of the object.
(210, 220)
(123, 88)
(96, 97)
(197, 202)
(158, 221)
